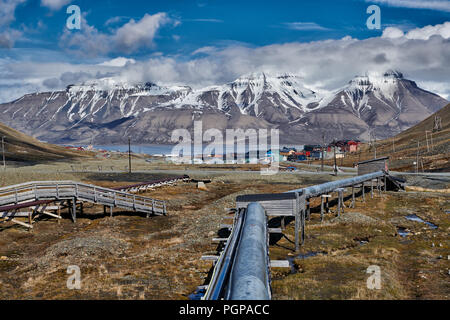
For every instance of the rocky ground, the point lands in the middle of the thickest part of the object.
(131, 257)
(413, 256)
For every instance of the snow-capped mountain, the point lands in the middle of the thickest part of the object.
(386, 103)
(107, 111)
(253, 93)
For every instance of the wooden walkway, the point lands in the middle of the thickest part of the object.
(150, 185)
(39, 194)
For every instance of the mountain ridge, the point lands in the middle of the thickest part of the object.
(105, 110)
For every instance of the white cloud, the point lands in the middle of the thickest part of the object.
(425, 33)
(8, 7)
(86, 42)
(115, 20)
(54, 4)
(8, 38)
(392, 33)
(441, 5)
(134, 35)
(130, 37)
(205, 50)
(324, 65)
(117, 62)
(304, 26)
(8, 35)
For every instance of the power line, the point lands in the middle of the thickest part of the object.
(3, 151)
(129, 154)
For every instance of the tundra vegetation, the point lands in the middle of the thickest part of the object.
(131, 257)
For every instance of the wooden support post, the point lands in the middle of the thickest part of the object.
(321, 208)
(371, 189)
(353, 197)
(327, 204)
(51, 214)
(303, 221)
(111, 211)
(385, 184)
(297, 222)
(153, 208)
(29, 226)
(300, 217)
(339, 203)
(283, 224)
(297, 232)
(74, 210)
(363, 192)
(308, 209)
(343, 202)
(379, 186)
(30, 218)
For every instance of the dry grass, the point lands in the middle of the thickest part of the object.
(415, 267)
(25, 149)
(162, 259)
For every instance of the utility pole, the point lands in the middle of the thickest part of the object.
(129, 155)
(323, 151)
(437, 124)
(417, 156)
(430, 146)
(375, 145)
(335, 161)
(3, 151)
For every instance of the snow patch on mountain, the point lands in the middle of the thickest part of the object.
(247, 92)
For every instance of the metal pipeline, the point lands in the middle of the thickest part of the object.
(242, 272)
(250, 278)
(315, 191)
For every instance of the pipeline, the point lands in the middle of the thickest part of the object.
(250, 275)
(242, 271)
(315, 191)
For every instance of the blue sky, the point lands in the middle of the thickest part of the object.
(219, 23)
(205, 42)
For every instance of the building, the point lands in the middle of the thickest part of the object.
(312, 148)
(297, 156)
(373, 165)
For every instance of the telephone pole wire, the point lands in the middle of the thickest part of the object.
(3, 151)
(129, 154)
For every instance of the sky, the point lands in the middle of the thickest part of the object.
(211, 42)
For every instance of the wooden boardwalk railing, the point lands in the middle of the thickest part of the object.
(23, 195)
(149, 185)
